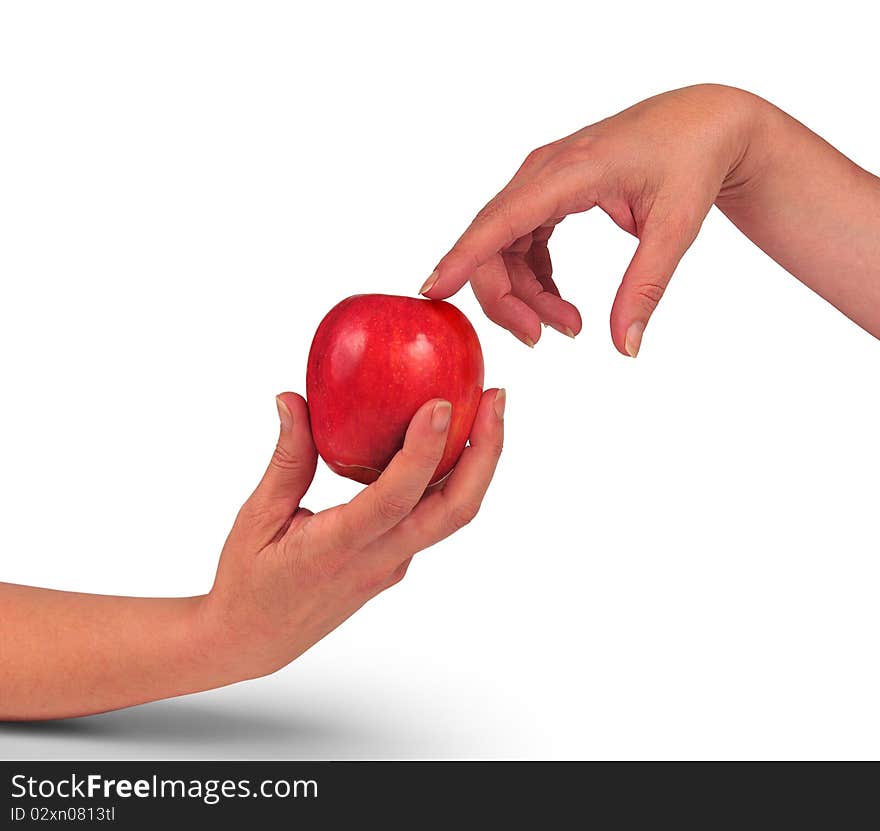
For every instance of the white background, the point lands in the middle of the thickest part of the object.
(679, 555)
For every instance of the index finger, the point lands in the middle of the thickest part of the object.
(514, 212)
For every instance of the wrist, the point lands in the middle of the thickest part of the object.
(218, 658)
(748, 130)
(229, 652)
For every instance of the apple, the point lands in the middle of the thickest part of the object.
(374, 361)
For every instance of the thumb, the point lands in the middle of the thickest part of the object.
(291, 469)
(643, 285)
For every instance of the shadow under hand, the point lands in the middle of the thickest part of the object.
(185, 723)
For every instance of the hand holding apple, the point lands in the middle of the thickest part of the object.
(287, 577)
(396, 402)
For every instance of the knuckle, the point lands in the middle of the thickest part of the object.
(257, 512)
(464, 255)
(497, 313)
(283, 459)
(491, 210)
(549, 152)
(590, 144)
(561, 162)
(462, 514)
(397, 575)
(497, 213)
(536, 156)
(648, 295)
(574, 151)
(423, 459)
(520, 246)
(392, 507)
(528, 289)
(541, 236)
(372, 581)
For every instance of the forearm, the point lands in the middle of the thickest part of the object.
(67, 654)
(812, 210)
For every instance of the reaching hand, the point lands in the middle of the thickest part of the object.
(655, 169)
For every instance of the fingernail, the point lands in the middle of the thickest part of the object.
(500, 401)
(429, 283)
(441, 415)
(563, 330)
(633, 339)
(284, 414)
(526, 340)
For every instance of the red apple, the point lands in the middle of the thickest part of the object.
(374, 361)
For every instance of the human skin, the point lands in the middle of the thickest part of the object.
(656, 169)
(286, 578)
